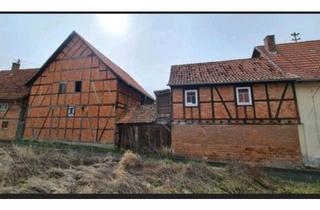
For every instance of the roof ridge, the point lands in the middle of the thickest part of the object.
(212, 62)
(26, 69)
(294, 43)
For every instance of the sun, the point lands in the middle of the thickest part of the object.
(114, 23)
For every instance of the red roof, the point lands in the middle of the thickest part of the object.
(140, 114)
(12, 83)
(124, 76)
(301, 58)
(222, 72)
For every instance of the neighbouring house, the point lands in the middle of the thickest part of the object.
(78, 94)
(301, 59)
(236, 110)
(13, 100)
(264, 109)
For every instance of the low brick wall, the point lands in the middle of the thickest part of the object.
(271, 145)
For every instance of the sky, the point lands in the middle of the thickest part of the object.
(146, 45)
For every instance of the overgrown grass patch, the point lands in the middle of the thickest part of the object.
(46, 167)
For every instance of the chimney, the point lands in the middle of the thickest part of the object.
(270, 44)
(16, 65)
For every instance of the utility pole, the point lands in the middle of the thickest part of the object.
(296, 37)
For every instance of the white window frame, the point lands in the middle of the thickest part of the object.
(250, 96)
(71, 114)
(6, 105)
(185, 98)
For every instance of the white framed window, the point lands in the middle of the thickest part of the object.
(4, 107)
(191, 97)
(244, 97)
(71, 111)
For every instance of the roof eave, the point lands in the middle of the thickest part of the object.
(308, 80)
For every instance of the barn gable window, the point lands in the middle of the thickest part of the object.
(243, 96)
(191, 98)
(62, 87)
(4, 125)
(4, 107)
(71, 111)
(78, 86)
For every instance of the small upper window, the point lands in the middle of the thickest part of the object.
(71, 111)
(5, 125)
(62, 87)
(4, 107)
(78, 86)
(191, 97)
(244, 96)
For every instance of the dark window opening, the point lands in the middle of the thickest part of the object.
(62, 88)
(5, 125)
(78, 86)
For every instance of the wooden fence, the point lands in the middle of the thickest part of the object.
(144, 137)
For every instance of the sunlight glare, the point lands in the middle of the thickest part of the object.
(114, 23)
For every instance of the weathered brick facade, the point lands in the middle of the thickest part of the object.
(272, 145)
(102, 99)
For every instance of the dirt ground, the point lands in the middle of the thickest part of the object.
(36, 169)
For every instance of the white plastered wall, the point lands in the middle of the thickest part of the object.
(308, 97)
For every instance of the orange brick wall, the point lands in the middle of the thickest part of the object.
(272, 145)
(12, 115)
(217, 104)
(95, 104)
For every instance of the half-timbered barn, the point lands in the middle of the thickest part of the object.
(236, 110)
(13, 100)
(78, 94)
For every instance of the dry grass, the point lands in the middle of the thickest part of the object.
(25, 169)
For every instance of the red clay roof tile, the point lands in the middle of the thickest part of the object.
(12, 83)
(301, 58)
(231, 71)
(140, 114)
